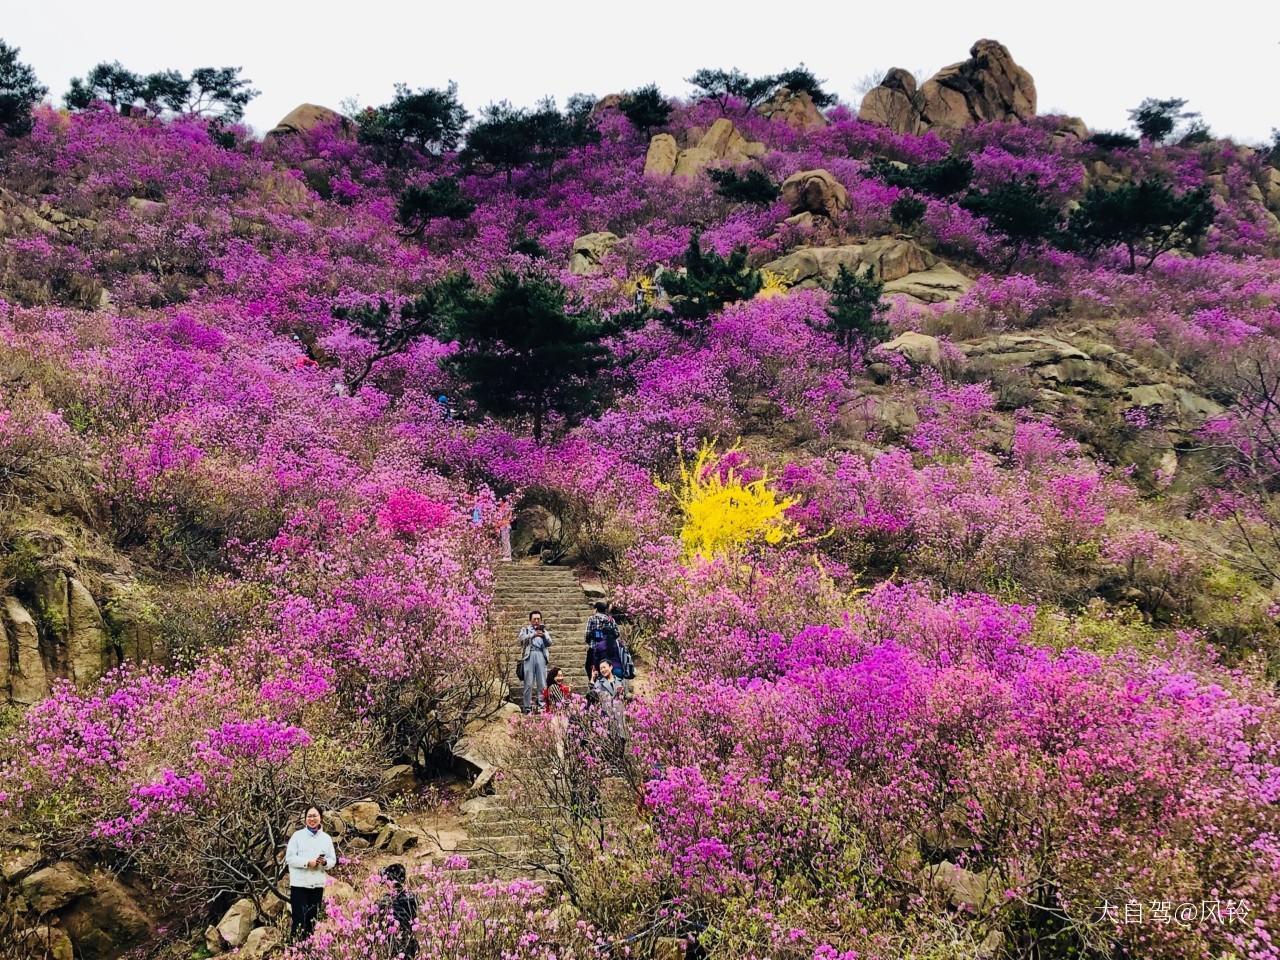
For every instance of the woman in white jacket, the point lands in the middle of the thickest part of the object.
(309, 855)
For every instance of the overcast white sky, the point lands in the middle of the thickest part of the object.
(1089, 58)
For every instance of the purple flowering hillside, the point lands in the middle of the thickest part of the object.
(927, 449)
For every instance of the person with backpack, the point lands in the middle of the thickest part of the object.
(401, 906)
(602, 639)
(535, 641)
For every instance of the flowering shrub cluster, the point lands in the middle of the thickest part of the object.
(491, 921)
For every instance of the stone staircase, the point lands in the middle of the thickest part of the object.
(499, 845)
(499, 842)
(523, 586)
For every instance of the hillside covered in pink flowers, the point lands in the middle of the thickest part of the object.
(929, 448)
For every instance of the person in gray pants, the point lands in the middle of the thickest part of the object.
(535, 640)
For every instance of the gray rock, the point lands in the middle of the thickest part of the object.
(260, 943)
(52, 888)
(589, 252)
(398, 779)
(237, 922)
(965, 889)
(920, 348)
(365, 816)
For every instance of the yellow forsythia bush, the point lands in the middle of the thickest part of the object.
(722, 512)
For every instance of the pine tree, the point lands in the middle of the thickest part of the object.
(525, 352)
(1147, 219)
(19, 92)
(754, 187)
(645, 108)
(1018, 210)
(856, 312)
(219, 93)
(430, 314)
(418, 206)
(1156, 119)
(709, 282)
(801, 80)
(941, 178)
(430, 120)
(725, 85)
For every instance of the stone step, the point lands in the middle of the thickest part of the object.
(497, 830)
(521, 855)
(476, 876)
(501, 814)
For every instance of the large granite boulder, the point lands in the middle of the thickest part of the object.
(722, 142)
(795, 109)
(941, 283)
(815, 191)
(589, 252)
(987, 86)
(906, 268)
(888, 257)
(307, 117)
(920, 348)
(660, 159)
(895, 103)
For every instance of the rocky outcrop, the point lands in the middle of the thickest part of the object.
(920, 348)
(795, 109)
(941, 283)
(660, 159)
(108, 921)
(1076, 378)
(364, 816)
(306, 117)
(988, 86)
(895, 103)
(967, 890)
(398, 779)
(722, 142)
(906, 268)
(236, 924)
(23, 678)
(54, 887)
(816, 192)
(260, 943)
(66, 620)
(589, 252)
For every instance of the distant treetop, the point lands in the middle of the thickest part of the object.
(722, 86)
(19, 92)
(214, 92)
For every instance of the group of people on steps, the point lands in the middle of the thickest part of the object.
(310, 853)
(607, 665)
